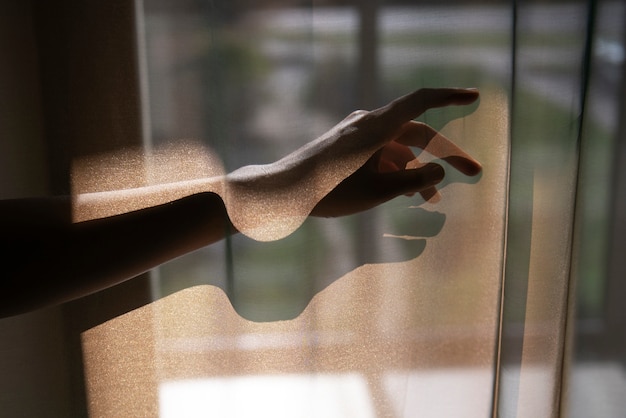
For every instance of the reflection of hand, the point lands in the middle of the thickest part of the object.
(393, 169)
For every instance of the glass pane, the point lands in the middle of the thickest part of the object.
(597, 377)
(549, 55)
(393, 312)
(500, 298)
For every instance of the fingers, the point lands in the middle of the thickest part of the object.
(412, 105)
(423, 136)
(429, 194)
(393, 157)
(370, 131)
(411, 181)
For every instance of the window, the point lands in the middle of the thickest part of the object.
(501, 299)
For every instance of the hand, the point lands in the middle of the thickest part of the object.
(363, 161)
(394, 170)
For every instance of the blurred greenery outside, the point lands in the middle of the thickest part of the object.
(276, 278)
(471, 40)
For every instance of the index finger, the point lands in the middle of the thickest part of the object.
(412, 105)
(420, 135)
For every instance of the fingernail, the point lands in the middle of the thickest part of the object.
(469, 91)
(465, 96)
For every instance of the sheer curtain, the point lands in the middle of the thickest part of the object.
(502, 299)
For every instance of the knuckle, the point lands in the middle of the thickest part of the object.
(358, 114)
(359, 120)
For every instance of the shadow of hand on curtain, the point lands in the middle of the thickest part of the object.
(303, 265)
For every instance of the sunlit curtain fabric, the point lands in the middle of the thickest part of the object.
(391, 313)
(498, 300)
(460, 308)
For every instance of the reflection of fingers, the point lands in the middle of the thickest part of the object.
(410, 181)
(423, 136)
(431, 195)
(414, 104)
(416, 134)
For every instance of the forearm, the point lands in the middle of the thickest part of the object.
(66, 261)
